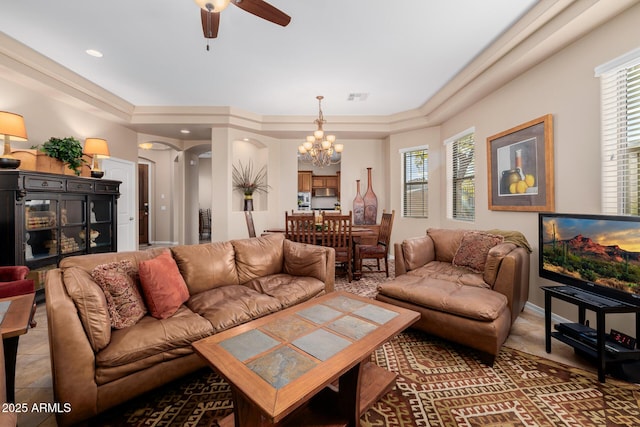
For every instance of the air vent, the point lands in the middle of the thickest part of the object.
(358, 96)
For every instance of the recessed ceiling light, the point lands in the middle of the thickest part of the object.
(94, 53)
(185, 131)
(360, 96)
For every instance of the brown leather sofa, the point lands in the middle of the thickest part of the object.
(96, 367)
(476, 307)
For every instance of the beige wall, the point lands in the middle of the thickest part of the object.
(46, 117)
(563, 85)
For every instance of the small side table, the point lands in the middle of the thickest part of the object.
(15, 323)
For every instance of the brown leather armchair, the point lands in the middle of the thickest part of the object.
(473, 308)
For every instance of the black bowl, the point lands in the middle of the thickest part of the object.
(97, 174)
(9, 163)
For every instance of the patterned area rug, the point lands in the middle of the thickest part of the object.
(439, 384)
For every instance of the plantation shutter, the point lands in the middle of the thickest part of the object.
(461, 177)
(416, 184)
(620, 93)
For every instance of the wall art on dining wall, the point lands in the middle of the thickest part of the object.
(520, 167)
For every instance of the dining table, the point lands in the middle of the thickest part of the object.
(364, 235)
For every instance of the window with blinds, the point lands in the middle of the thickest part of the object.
(415, 194)
(620, 98)
(461, 187)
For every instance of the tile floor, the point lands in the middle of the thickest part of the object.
(33, 378)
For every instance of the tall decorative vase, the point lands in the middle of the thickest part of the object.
(248, 202)
(370, 202)
(358, 206)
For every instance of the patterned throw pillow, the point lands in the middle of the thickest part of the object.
(124, 302)
(474, 248)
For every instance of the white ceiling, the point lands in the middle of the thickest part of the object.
(399, 53)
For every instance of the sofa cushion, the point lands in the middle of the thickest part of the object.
(417, 251)
(229, 306)
(162, 285)
(451, 273)
(288, 289)
(149, 342)
(91, 304)
(90, 261)
(206, 266)
(305, 260)
(259, 256)
(124, 302)
(448, 297)
(445, 242)
(473, 250)
(494, 259)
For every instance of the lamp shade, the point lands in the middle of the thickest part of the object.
(96, 147)
(12, 125)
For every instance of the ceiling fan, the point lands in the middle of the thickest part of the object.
(210, 13)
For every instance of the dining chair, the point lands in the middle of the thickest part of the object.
(378, 251)
(336, 233)
(300, 227)
(248, 216)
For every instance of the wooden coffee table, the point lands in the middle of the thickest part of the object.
(308, 364)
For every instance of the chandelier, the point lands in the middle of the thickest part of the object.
(320, 149)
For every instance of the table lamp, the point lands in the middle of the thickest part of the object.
(12, 129)
(98, 148)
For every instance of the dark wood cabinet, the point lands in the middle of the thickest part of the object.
(46, 217)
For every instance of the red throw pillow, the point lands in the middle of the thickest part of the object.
(162, 284)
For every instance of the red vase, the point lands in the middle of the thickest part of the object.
(370, 202)
(358, 206)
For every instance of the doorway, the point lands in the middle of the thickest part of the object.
(123, 171)
(143, 204)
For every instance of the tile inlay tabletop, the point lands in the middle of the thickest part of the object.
(274, 364)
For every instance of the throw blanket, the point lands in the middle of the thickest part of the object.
(515, 237)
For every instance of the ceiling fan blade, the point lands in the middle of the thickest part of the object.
(264, 10)
(210, 23)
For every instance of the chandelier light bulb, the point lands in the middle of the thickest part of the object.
(326, 144)
(301, 149)
(311, 139)
(331, 138)
(318, 134)
(339, 148)
(308, 145)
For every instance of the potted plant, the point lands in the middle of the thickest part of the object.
(246, 180)
(67, 150)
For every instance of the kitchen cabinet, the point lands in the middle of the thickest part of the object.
(46, 217)
(304, 181)
(325, 181)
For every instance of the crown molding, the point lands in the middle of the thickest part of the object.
(545, 29)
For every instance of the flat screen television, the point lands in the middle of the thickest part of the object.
(597, 253)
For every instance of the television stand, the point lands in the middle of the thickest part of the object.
(588, 341)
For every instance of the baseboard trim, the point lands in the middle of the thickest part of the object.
(539, 310)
